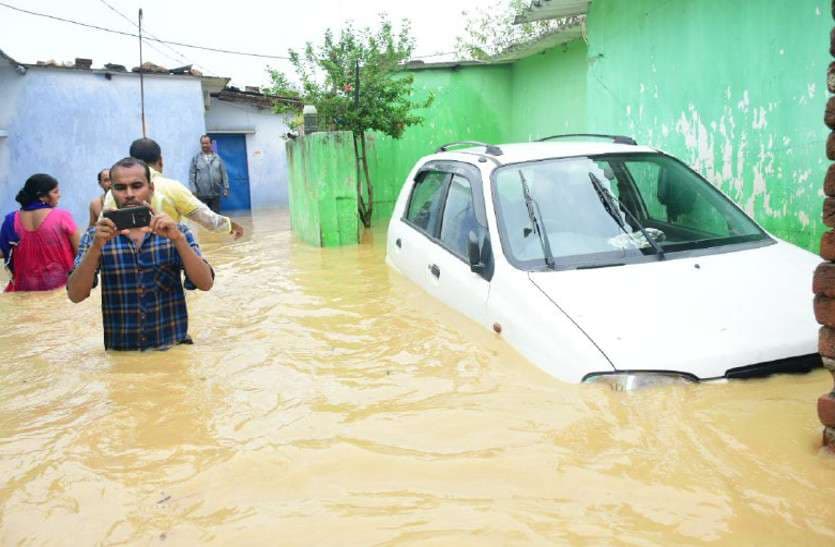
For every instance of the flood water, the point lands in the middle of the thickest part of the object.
(327, 401)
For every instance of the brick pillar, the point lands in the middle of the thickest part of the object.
(823, 284)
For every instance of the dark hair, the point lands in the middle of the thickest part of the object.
(146, 150)
(205, 137)
(36, 186)
(102, 171)
(126, 163)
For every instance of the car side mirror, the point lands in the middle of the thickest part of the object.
(474, 253)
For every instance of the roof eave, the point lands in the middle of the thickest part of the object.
(542, 10)
(20, 67)
(538, 45)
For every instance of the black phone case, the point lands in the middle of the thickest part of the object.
(129, 217)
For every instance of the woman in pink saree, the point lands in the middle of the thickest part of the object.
(39, 241)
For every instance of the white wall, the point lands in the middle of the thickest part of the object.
(266, 154)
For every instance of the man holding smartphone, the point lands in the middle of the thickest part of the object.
(143, 303)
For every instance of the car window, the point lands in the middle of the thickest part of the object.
(426, 201)
(645, 174)
(674, 198)
(459, 216)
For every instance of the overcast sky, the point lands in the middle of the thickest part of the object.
(244, 25)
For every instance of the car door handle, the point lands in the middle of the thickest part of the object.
(398, 243)
(435, 270)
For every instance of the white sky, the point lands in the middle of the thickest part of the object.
(244, 25)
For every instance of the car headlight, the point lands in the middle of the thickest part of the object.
(630, 381)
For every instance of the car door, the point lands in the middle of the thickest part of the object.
(449, 268)
(414, 234)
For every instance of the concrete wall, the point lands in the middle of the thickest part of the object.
(72, 123)
(11, 86)
(470, 104)
(735, 88)
(549, 93)
(323, 189)
(265, 148)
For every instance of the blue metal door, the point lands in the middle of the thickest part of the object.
(232, 150)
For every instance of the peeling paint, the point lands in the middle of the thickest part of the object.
(759, 119)
(749, 122)
(744, 103)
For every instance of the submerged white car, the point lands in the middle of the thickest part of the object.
(604, 261)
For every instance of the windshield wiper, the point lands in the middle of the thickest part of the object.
(533, 208)
(612, 208)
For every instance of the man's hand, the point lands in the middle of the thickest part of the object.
(105, 231)
(226, 193)
(164, 226)
(237, 230)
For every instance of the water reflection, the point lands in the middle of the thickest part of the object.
(328, 401)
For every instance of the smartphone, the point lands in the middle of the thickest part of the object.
(129, 217)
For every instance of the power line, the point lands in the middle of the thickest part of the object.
(180, 57)
(170, 42)
(132, 35)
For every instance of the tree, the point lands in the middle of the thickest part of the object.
(284, 88)
(491, 31)
(356, 83)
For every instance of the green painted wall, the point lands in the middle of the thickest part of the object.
(736, 88)
(323, 202)
(549, 93)
(471, 103)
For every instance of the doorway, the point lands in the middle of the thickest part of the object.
(231, 148)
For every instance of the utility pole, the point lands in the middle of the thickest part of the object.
(141, 77)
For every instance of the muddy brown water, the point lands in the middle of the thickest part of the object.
(328, 401)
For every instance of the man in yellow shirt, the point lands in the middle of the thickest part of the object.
(172, 197)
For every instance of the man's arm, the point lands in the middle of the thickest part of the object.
(192, 175)
(224, 177)
(194, 209)
(94, 216)
(197, 269)
(83, 277)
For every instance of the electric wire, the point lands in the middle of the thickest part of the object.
(132, 35)
(169, 43)
(180, 58)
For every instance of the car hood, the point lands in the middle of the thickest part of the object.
(702, 315)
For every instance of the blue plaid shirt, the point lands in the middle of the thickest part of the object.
(142, 300)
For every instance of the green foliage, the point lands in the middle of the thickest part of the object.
(283, 87)
(384, 100)
(491, 31)
(356, 83)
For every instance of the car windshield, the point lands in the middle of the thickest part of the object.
(602, 210)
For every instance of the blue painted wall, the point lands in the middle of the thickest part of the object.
(71, 123)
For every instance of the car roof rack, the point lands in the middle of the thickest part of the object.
(490, 149)
(616, 139)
